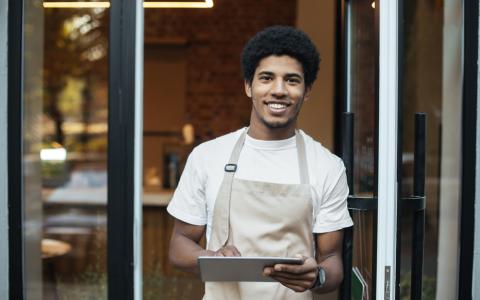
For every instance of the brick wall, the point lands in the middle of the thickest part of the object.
(215, 98)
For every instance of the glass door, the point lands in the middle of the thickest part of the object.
(402, 89)
(71, 118)
(359, 142)
(431, 82)
(64, 119)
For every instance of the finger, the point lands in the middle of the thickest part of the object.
(301, 256)
(267, 271)
(310, 276)
(227, 252)
(234, 250)
(295, 269)
(292, 281)
(230, 251)
(219, 253)
(309, 264)
(296, 285)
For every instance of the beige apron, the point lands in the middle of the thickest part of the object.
(261, 219)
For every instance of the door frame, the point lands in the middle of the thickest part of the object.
(15, 149)
(125, 122)
(388, 125)
(470, 153)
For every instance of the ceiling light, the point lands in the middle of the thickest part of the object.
(83, 4)
(163, 4)
(106, 4)
(53, 154)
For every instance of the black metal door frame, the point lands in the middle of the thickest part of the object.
(15, 149)
(469, 144)
(121, 150)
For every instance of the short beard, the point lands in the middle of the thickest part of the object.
(277, 125)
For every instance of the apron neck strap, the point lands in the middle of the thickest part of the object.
(302, 158)
(301, 154)
(237, 149)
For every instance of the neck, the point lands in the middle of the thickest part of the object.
(263, 132)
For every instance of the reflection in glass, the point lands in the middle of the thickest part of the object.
(65, 152)
(361, 92)
(432, 83)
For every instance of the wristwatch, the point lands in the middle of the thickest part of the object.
(321, 278)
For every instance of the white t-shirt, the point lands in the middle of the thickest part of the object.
(268, 161)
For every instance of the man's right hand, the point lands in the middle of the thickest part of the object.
(185, 249)
(228, 250)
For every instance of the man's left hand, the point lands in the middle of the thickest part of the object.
(296, 277)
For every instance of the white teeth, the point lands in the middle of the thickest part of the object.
(276, 105)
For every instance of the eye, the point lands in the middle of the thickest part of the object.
(265, 77)
(293, 80)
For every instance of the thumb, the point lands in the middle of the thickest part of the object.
(298, 255)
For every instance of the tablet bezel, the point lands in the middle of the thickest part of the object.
(240, 268)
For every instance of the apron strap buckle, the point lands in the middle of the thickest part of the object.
(230, 167)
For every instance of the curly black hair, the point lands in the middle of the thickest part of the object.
(281, 40)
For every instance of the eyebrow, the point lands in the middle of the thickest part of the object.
(294, 75)
(288, 75)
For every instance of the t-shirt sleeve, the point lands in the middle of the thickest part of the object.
(332, 213)
(188, 203)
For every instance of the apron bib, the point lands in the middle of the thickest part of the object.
(261, 219)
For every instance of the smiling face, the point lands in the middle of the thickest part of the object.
(277, 91)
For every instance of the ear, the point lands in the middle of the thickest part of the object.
(308, 92)
(248, 88)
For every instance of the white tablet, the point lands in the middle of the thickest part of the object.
(239, 268)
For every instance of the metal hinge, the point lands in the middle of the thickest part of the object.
(387, 282)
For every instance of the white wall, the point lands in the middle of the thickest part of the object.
(317, 19)
(3, 153)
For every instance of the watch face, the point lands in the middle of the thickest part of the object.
(321, 275)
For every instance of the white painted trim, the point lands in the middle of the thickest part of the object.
(387, 148)
(138, 150)
(3, 150)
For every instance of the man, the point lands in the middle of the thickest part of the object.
(268, 189)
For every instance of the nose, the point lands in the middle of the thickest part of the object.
(279, 89)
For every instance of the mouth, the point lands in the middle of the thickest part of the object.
(277, 107)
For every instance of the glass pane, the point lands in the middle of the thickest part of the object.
(361, 101)
(361, 90)
(65, 151)
(432, 83)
